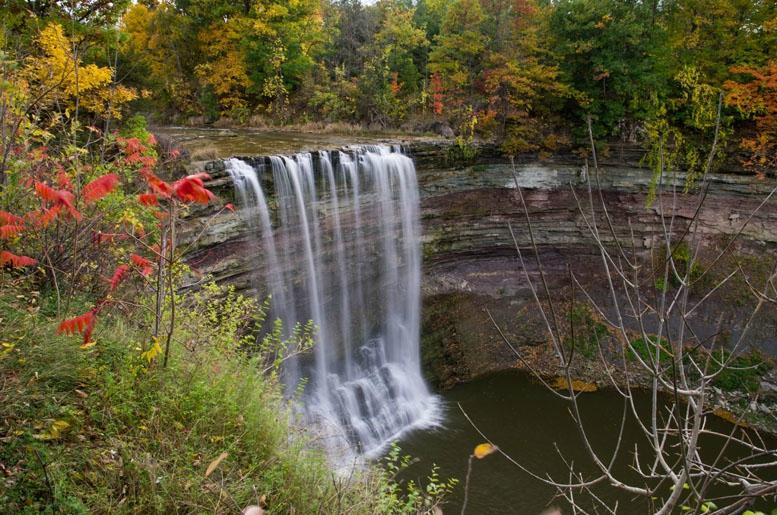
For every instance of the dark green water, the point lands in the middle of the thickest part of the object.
(528, 423)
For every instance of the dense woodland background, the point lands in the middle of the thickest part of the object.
(527, 73)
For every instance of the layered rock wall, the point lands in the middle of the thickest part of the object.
(471, 270)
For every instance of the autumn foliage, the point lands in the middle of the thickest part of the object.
(64, 205)
(755, 96)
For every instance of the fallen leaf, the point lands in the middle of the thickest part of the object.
(483, 450)
(88, 345)
(730, 417)
(54, 432)
(215, 463)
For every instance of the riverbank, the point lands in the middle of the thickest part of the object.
(745, 394)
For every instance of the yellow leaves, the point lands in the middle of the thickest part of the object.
(130, 220)
(606, 19)
(59, 73)
(136, 23)
(153, 351)
(261, 27)
(484, 449)
(88, 345)
(215, 463)
(54, 432)
(560, 383)
(6, 349)
(225, 72)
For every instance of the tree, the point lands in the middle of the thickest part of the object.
(61, 77)
(611, 53)
(518, 82)
(714, 35)
(224, 73)
(756, 96)
(457, 58)
(350, 27)
(390, 83)
(159, 55)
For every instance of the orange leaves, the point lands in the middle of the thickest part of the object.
(100, 187)
(484, 449)
(144, 264)
(118, 276)
(156, 184)
(395, 85)
(187, 189)
(10, 225)
(46, 192)
(138, 153)
(76, 324)
(10, 218)
(61, 198)
(63, 181)
(756, 97)
(561, 383)
(8, 258)
(44, 217)
(192, 189)
(10, 230)
(133, 146)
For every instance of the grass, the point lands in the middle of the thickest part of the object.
(102, 430)
(646, 349)
(589, 332)
(741, 373)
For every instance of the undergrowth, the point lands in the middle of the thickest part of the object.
(106, 429)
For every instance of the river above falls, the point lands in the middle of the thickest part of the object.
(205, 143)
(529, 423)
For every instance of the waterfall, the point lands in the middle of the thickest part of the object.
(340, 245)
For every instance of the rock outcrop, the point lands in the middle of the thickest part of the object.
(471, 270)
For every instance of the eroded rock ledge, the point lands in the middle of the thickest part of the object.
(470, 263)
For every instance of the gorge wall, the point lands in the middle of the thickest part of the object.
(470, 266)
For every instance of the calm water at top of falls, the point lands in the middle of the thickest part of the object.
(215, 143)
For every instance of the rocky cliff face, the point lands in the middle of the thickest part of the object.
(470, 262)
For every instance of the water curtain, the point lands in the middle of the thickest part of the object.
(340, 245)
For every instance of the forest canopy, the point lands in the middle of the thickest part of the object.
(526, 73)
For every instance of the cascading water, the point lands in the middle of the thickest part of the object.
(341, 247)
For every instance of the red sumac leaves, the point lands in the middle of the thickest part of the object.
(100, 187)
(8, 258)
